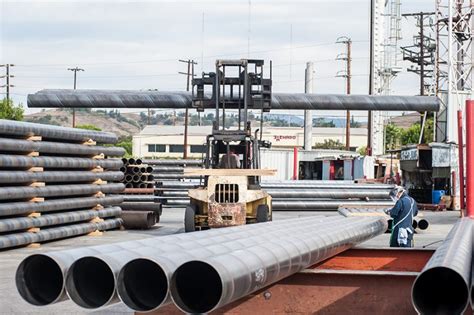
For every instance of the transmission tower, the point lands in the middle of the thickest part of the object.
(453, 70)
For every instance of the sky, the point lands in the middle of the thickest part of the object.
(137, 44)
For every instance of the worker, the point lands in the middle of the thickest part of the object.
(402, 213)
(229, 160)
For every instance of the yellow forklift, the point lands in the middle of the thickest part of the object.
(231, 193)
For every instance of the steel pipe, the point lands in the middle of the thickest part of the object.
(11, 193)
(39, 277)
(138, 219)
(329, 193)
(17, 208)
(12, 177)
(57, 162)
(172, 162)
(313, 205)
(19, 145)
(140, 198)
(176, 100)
(443, 285)
(469, 158)
(141, 206)
(22, 223)
(168, 169)
(79, 282)
(54, 233)
(145, 191)
(220, 280)
(423, 224)
(17, 128)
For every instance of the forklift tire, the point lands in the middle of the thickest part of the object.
(262, 213)
(190, 212)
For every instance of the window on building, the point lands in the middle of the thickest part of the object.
(156, 148)
(198, 148)
(176, 148)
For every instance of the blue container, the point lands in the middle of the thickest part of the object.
(436, 196)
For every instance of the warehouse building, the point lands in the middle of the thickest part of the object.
(167, 141)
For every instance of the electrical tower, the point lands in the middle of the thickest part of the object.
(453, 69)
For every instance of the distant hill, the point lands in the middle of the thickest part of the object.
(123, 125)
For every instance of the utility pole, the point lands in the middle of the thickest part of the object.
(75, 82)
(422, 53)
(371, 75)
(347, 75)
(7, 77)
(308, 114)
(189, 75)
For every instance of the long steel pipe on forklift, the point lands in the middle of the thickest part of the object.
(220, 280)
(165, 257)
(443, 285)
(57, 162)
(155, 99)
(16, 128)
(25, 207)
(40, 278)
(18, 145)
(14, 224)
(9, 177)
(309, 205)
(11, 193)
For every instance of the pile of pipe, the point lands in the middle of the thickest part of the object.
(137, 174)
(141, 210)
(299, 195)
(172, 169)
(199, 272)
(55, 182)
(445, 285)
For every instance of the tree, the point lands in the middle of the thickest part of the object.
(393, 136)
(8, 110)
(88, 127)
(362, 150)
(330, 144)
(127, 144)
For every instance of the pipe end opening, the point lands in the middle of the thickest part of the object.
(440, 291)
(90, 282)
(196, 287)
(39, 280)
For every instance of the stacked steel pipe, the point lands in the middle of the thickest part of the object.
(55, 182)
(303, 195)
(140, 210)
(172, 170)
(202, 271)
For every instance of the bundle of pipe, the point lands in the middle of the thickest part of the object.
(53, 180)
(444, 286)
(137, 174)
(142, 269)
(304, 195)
(144, 212)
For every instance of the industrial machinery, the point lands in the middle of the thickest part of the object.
(231, 194)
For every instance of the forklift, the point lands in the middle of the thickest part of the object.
(230, 193)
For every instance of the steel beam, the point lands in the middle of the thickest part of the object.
(220, 280)
(17, 208)
(25, 129)
(443, 285)
(296, 101)
(57, 162)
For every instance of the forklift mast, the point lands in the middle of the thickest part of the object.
(235, 85)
